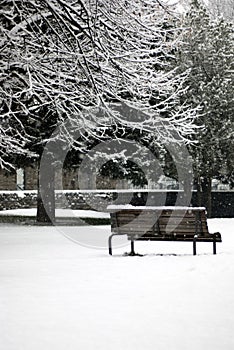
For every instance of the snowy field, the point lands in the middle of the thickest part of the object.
(56, 294)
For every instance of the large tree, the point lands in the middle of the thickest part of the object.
(73, 66)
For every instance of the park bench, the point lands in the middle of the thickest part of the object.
(179, 224)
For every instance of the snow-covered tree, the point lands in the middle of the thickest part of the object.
(208, 53)
(221, 8)
(216, 8)
(12, 142)
(64, 61)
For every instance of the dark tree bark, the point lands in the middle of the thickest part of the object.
(199, 192)
(46, 196)
(206, 191)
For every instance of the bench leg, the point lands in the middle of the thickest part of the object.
(194, 246)
(132, 247)
(214, 246)
(132, 253)
(109, 244)
(110, 241)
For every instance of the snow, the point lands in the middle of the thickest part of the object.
(58, 212)
(55, 294)
(132, 207)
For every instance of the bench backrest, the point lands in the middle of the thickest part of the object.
(164, 222)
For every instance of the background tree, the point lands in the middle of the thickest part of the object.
(216, 8)
(221, 8)
(207, 53)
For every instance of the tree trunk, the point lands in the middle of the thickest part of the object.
(206, 189)
(188, 188)
(46, 196)
(199, 191)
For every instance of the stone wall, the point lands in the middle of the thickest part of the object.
(7, 180)
(69, 199)
(18, 200)
(222, 202)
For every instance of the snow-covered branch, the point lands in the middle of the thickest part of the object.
(72, 57)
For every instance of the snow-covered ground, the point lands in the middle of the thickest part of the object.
(59, 213)
(55, 294)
